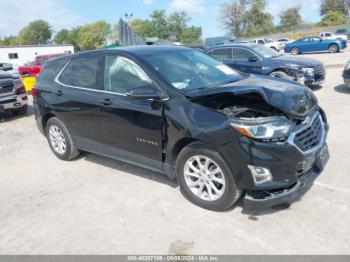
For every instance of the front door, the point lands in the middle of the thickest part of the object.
(241, 61)
(131, 128)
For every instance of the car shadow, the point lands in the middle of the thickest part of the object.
(9, 116)
(315, 88)
(343, 89)
(130, 169)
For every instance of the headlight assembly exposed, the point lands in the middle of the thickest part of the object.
(308, 71)
(270, 128)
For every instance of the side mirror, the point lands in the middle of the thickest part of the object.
(253, 59)
(7, 67)
(145, 93)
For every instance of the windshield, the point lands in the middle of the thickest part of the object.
(188, 69)
(265, 51)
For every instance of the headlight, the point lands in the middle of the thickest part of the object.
(308, 71)
(270, 128)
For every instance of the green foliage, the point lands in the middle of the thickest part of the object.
(173, 27)
(290, 18)
(62, 37)
(92, 36)
(333, 18)
(257, 20)
(10, 40)
(37, 32)
(339, 6)
(143, 28)
(191, 35)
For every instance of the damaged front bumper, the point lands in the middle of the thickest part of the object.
(258, 200)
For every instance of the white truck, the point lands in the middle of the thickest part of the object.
(331, 36)
(269, 43)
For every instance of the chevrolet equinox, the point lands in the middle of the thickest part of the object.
(174, 110)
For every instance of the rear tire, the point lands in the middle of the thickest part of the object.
(295, 51)
(60, 141)
(205, 179)
(333, 48)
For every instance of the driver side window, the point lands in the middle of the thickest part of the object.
(122, 74)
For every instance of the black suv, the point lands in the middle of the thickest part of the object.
(178, 111)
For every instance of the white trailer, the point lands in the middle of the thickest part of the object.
(20, 55)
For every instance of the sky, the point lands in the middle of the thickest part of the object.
(15, 14)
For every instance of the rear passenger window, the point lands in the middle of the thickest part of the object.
(122, 74)
(83, 72)
(242, 54)
(261, 42)
(222, 54)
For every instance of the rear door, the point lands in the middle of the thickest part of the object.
(131, 128)
(78, 98)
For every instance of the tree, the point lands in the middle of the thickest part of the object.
(37, 32)
(232, 16)
(191, 35)
(290, 18)
(257, 20)
(341, 6)
(10, 40)
(63, 37)
(177, 23)
(160, 24)
(333, 18)
(92, 36)
(143, 28)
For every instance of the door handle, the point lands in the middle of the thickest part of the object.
(59, 93)
(106, 102)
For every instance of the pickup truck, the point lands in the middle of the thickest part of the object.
(277, 46)
(34, 68)
(331, 36)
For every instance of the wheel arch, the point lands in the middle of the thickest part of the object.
(46, 118)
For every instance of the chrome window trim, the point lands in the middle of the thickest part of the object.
(82, 88)
(319, 145)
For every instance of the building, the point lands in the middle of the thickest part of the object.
(20, 55)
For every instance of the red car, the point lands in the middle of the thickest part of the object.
(35, 68)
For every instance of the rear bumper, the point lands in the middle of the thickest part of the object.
(13, 102)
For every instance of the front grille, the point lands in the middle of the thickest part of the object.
(310, 137)
(6, 89)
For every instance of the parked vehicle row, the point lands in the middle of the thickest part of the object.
(13, 96)
(175, 110)
(261, 60)
(310, 44)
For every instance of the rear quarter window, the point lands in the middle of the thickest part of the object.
(84, 72)
(51, 69)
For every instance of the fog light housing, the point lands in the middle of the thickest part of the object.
(260, 175)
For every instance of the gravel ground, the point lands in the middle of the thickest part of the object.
(95, 205)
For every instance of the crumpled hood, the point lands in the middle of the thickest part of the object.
(301, 61)
(287, 96)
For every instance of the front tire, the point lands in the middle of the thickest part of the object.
(60, 141)
(281, 75)
(205, 179)
(333, 48)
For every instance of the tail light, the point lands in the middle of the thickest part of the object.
(21, 90)
(34, 91)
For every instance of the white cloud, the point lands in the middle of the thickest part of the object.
(148, 2)
(15, 14)
(190, 6)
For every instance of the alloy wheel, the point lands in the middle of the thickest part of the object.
(57, 140)
(204, 178)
